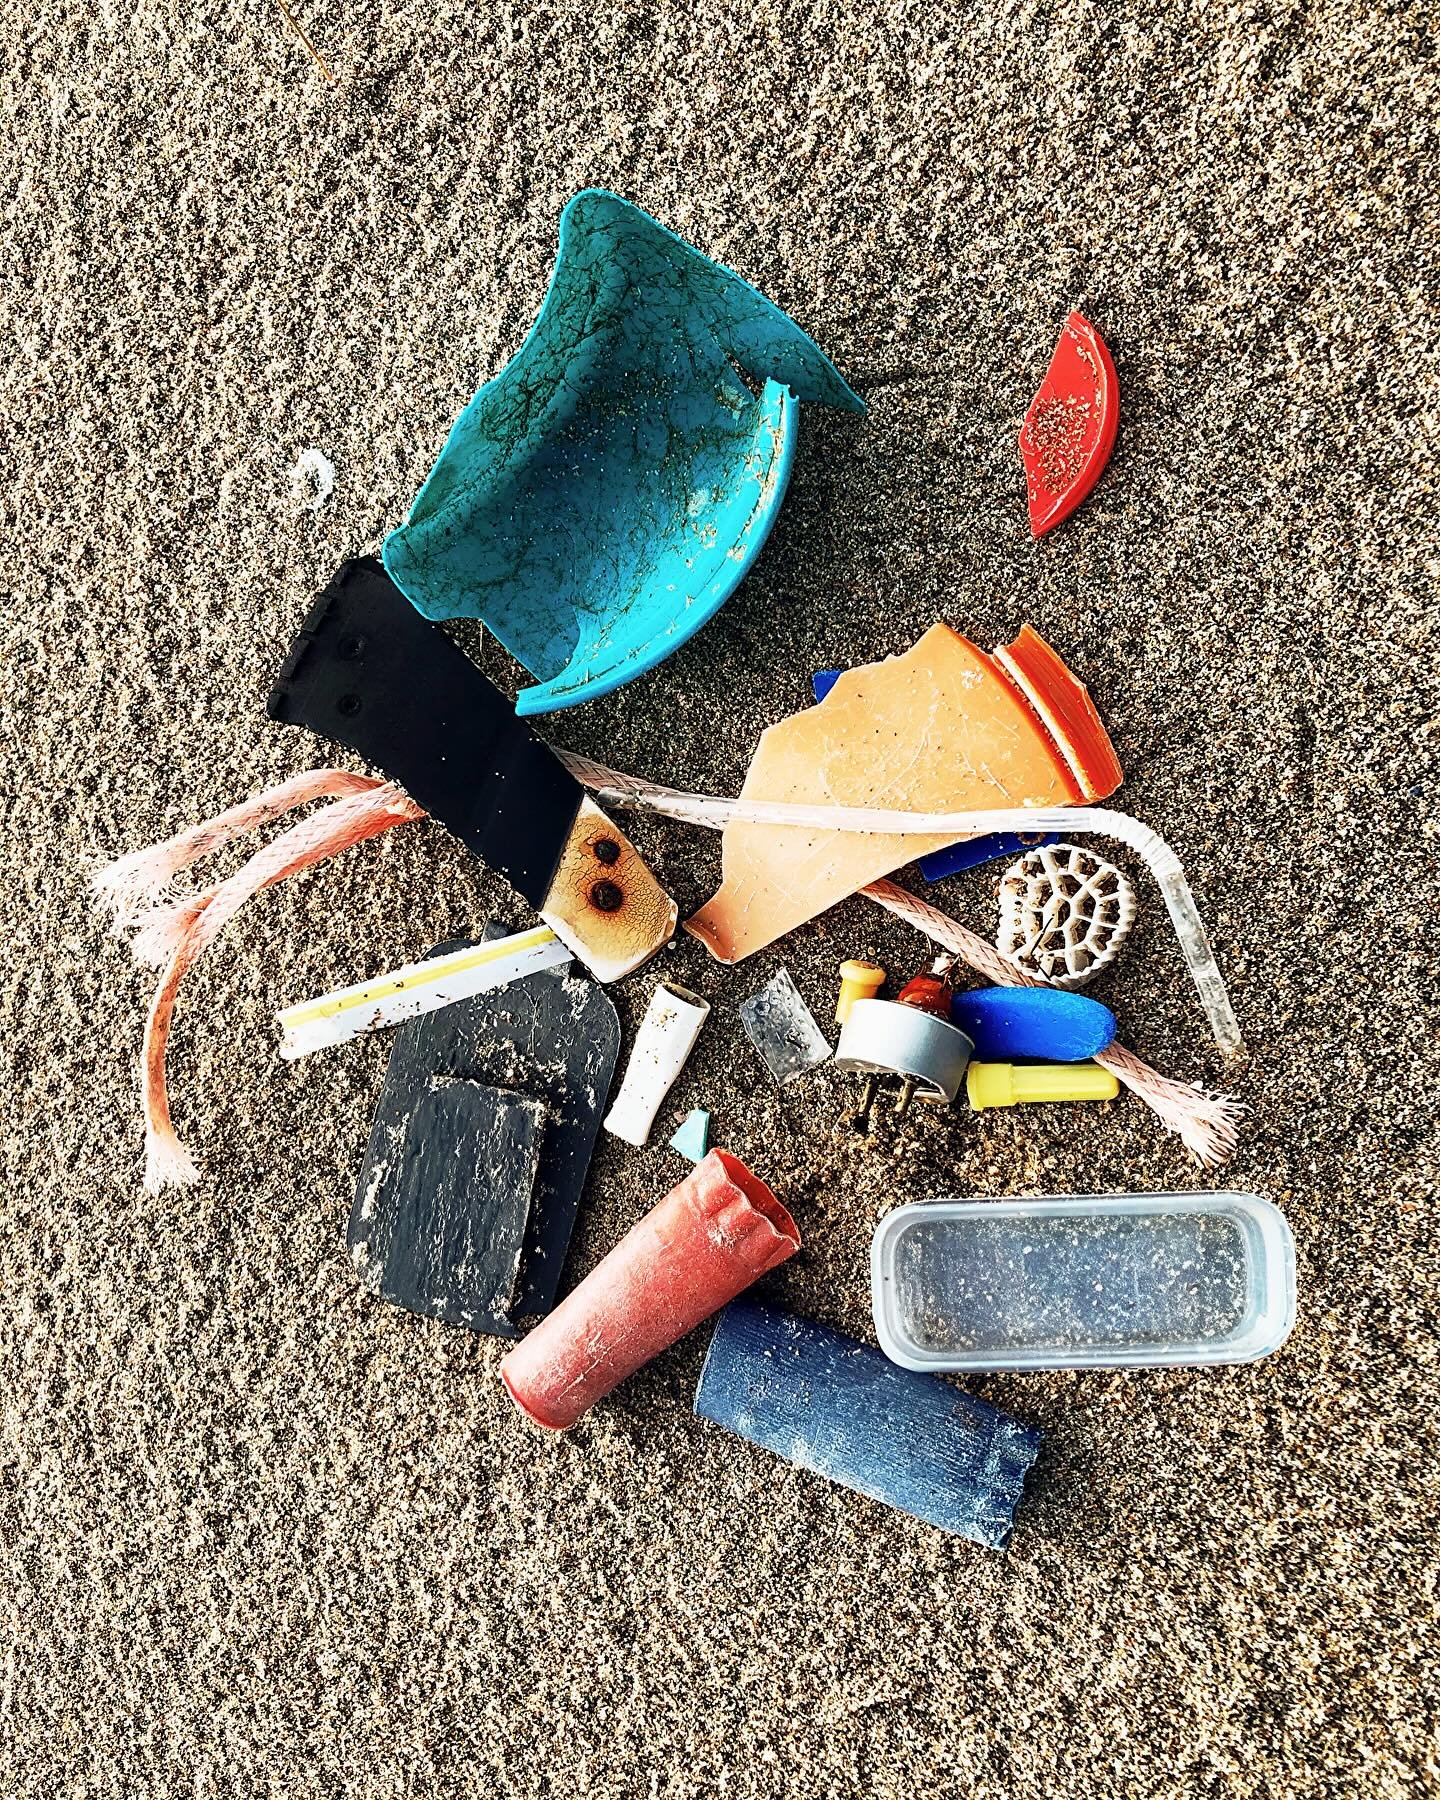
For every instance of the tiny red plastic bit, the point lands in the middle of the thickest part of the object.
(1069, 429)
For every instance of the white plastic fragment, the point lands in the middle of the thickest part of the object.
(782, 1028)
(1064, 913)
(312, 480)
(666, 1037)
(422, 987)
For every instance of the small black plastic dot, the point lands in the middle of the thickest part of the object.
(350, 647)
(348, 705)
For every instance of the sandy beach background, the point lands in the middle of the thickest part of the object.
(262, 1535)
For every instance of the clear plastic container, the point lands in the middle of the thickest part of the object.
(1103, 1281)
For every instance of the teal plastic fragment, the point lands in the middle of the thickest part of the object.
(600, 499)
(692, 1140)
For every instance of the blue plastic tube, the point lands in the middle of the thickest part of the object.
(842, 1409)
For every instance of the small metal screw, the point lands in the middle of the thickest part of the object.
(607, 896)
(607, 851)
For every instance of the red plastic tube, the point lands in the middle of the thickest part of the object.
(705, 1242)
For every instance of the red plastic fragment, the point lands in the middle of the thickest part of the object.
(705, 1242)
(1069, 428)
(1068, 713)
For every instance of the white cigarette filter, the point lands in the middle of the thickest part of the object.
(666, 1037)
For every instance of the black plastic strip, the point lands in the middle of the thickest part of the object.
(367, 671)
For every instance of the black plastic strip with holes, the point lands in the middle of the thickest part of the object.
(367, 671)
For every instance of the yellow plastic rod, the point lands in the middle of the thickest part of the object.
(1016, 1084)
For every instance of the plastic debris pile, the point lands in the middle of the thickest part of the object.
(595, 504)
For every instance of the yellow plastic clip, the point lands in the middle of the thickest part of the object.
(858, 981)
(1016, 1084)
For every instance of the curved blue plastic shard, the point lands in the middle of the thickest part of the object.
(600, 499)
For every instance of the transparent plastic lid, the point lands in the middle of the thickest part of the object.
(1083, 1281)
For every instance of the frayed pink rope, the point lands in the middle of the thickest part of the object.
(177, 934)
(327, 833)
(133, 884)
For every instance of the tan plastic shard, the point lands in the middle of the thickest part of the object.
(942, 728)
(1064, 913)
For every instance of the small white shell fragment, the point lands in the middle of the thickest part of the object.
(312, 480)
(1064, 913)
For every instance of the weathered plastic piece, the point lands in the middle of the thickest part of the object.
(1044, 1023)
(858, 981)
(382, 1002)
(1063, 705)
(708, 1239)
(457, 1198)
(600, 499)
(782, 1028)
(664, 1041)
(881, 1037)
(1064, 913)
(366, 670)
(1072, 1281)
(990, 1084)
(969, 853)
(692, 1139)
(480, 1147)
(942, 727)
(841, 1409)
(1070, 425)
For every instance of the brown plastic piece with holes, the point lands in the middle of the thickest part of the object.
(604, 902)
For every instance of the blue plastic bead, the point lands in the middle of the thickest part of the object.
(600, 499)
(844, 1410)
(1042, 1024)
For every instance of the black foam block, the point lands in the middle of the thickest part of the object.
(481, 1142)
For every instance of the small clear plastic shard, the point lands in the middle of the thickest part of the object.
(783, 1029)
